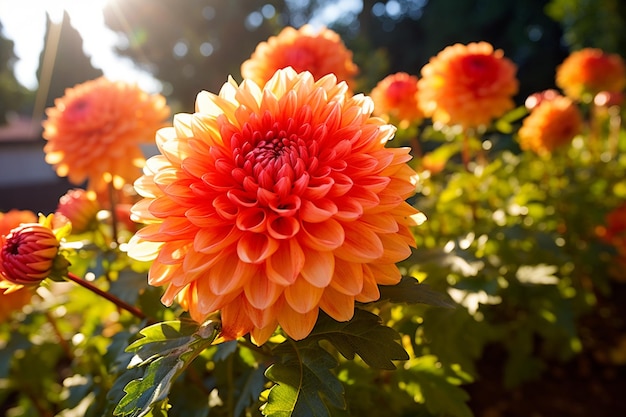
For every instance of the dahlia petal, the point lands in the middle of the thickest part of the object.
(171, 254)
(396, 248)
(348, 209)
(203, 216)
(318, 268)
(281, 227)
(347, 277)
(161, 274)
(175, 150)
(297, 325)
(143, 250)
(284, 266)
(197, 263)
(252, 220)
(302, 296)
(385, 274)
(216, 239)
(380, 222)
(164, 206)
(182, 125)
(261, 292)
(226, 276)
(255, 248)
(337, 305)
(319, 210)
(248, 94)
(170, 294)
(261, 335)
(235, 321)
(361, 244)
(324, 236)
(370, 291)
(262, 318)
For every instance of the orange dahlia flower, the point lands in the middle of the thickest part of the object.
(319, 52)
(95, 130)
(11, 301)
(395, 97)
(551, 124)
(13, 218)
(272, 202)
(589, 71)
(467, 85)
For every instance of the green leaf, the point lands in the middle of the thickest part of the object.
(435, 386)
(410, 291)
(363, 335)
(304, 382)
(251, 385)
(165, 350)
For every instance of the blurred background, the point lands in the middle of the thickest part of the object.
(180, 47)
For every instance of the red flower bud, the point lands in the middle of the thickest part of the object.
(28, 254)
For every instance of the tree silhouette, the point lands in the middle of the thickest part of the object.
(62, 63)
(192, 45)
(12, 94)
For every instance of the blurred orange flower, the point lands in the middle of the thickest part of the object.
(319, 52)
(80, 207)
(13, 218)
(467, 85)
(589, 71)
(13, 301)
(272, 202)
(550, 125)
(395, 97)
(95, 129)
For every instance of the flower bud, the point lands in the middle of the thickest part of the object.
(80, 207)
(28, 254)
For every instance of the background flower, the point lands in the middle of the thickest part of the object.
(467, 85)
(396, 97)
(80, 207)
(589, 71)
(551, 124)
(269, 204)
(95, 129)
(13, 218)
(319, 51)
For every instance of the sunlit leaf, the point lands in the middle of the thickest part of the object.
(304, 382)
(410, 291)
(163, 353)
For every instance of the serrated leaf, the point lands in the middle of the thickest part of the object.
(251, 385)
(165, 351)
(304, 382)
(363, 335)
(410, 291)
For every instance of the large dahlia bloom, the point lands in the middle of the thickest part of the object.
(395, 98)
(319, 52)
(553, 123)
(95, 130)
(589, 71)
(270, 203)
(467, 85)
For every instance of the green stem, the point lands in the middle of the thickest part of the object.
(121, 304)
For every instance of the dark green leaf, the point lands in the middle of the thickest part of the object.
(410, 291)
(251, 386)
(164, 352)
(304, 382)
(364, 335)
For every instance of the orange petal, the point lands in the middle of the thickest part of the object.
(255, 248)
(229, 275)
(235, 321)
(215, 239)
(324, 236)
(261, 292)
(316, 211)
(370, 290)
(284, 266)
(385, 274)
(302, 296)
(297, 325)
(361, 244)
(348, 277)
(318, 268)
(337, 305)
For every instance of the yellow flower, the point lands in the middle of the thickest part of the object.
(320, 52)
(272, 202)
(590, 71)
(95, 130)
(554, 122)
(396, 98)
(467, 85)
